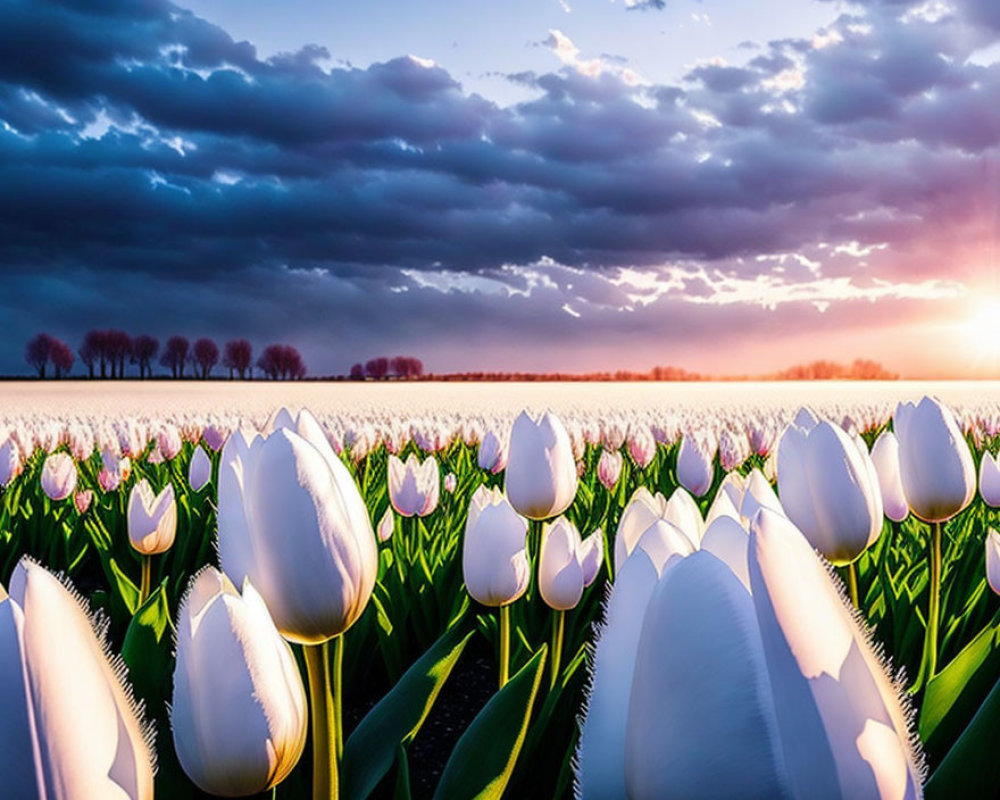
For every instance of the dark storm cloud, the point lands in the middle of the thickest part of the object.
(141, 146)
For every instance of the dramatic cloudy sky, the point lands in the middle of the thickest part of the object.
(724, 185)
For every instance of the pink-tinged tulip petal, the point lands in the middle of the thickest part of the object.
(885, 457)
(694, 466)
(729, 541)
(601, 753)
(238, 712)
(560, 573)
(450, 483)
(609, 468)
(58, 476)
(199, 470)
(989, 480)
(71, 728)
(541, 471)
(108, 481)
(492, 454)
(10, 461)
(82, 500)
(642, 511)
(701, 721)
(935, 465)
(828, 682)
(152, 519)
(214, 437)
(993, 560)
(829, 489)
(414, 487)
(386, 525)
(641, 447)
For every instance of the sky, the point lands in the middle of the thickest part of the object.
(728, 186)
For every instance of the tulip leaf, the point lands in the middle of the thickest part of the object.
(369, 751)
(954, 694)
(146, 649)
(971, 768)
(402, 790)
(128, 592)
(483, 759)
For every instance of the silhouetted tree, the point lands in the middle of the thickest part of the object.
(118, 346)
(62, 358)
(174, 355)
(377, 367)
(38, 352)
(144, 350)
(238, 356)
(281, 362)
(357, 372)
(406, 367)
(94, 351)
(205, 355)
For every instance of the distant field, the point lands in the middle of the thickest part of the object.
(253, 400)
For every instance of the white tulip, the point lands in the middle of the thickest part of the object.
(200, 469)
(541, 470)
(989, 480)
(885, 457)
(58, 476)
(993, 560)
(152, 519)
(494, 551)
(694, 465)
(238, 712)
(414, 487)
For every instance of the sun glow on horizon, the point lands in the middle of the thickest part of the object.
(980, 332)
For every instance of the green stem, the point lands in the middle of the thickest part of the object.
(852, 584)
(325, 779)
(504, 644)
(928, 662)
(558, 629)
(146, 579)
(338, 696)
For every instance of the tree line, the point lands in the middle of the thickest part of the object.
(106, 353)
(383, 367)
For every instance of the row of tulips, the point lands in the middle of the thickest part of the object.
(265, 592)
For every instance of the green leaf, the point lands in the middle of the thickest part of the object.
(146, 649)
(483, 759)
(370, 750)
(128, 592)
(954, 694)
(971, 768)
(402, 790)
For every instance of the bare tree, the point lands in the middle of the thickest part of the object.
(144, 350)
(38, 352)
(238, 356)
(205, 355)
(175, 355)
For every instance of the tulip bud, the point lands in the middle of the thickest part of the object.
(694, 466)
(494, 551)
(450, 482)
(989, 480)
(993, 560)
(213, 437)
(829, 489)
(10, 462)
(935, 465)
(560, 572)
(58, 476)
(541, 471)
(70, 728)
(238, 713)
(292, 519)
(414, 487)
(642, 447)
(152, 519)
(199, 470)
(386, 525)
(108, 481)
(82, 500)
(492, 454)
(609, 468)
(885, 457)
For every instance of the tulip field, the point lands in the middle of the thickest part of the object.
(763, 598)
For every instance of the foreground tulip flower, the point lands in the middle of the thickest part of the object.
(829, 489)
(609, 468)
(786, 685)
(200, 469)
(935, 465)
(238, 712)
(70, 728)
(495, 559)
(541, 470)
(152, 526)
(414, 488)
(939, 480)
(292, 520)
(993, 560)
(694, 466)
(989, 480)
(58, 476)
(885, 457)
